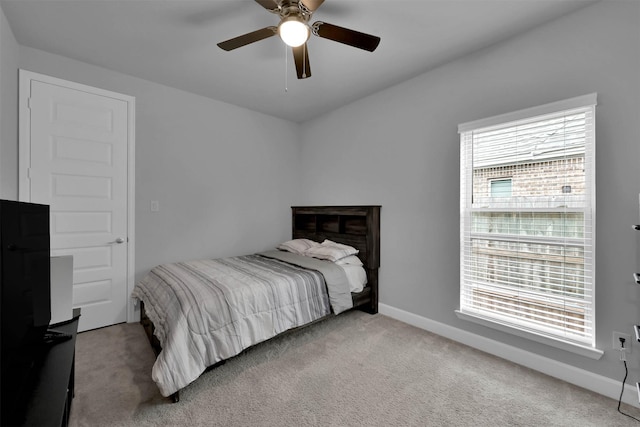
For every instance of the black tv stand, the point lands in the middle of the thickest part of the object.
(55, 336)
(50, 399)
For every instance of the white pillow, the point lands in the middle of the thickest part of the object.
(328, 242)
(350, 260)
(331, 251)
(356, 276)
(297, 246)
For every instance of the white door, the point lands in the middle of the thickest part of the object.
(78, 148)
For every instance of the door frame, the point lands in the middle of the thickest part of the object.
(24, 158)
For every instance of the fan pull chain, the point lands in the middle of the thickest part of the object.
(286, 68)
(304, 62)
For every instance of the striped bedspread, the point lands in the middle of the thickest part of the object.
(210, 310)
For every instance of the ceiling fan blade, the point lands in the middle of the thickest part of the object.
(301, 58)
(270, 5)
(346, 36)
(248, 38)
(311, 5)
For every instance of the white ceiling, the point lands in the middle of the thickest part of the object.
(173, 42)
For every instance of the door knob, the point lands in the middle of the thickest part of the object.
(118, 240)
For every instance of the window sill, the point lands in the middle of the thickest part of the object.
(591, 353)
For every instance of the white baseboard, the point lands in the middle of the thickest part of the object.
(585, 379)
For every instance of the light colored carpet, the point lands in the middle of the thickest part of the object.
(351, 370)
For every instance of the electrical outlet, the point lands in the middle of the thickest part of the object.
(616, 341)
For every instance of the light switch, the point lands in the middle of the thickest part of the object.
(155, 206)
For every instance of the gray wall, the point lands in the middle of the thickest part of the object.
(224, 176)
(400, 148)
(8, 112)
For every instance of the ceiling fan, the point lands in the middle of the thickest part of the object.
(294, 30)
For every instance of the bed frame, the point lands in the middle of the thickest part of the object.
(357, 226)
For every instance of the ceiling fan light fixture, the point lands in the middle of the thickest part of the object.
(294, 31)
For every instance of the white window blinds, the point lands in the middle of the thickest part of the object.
(527, 253)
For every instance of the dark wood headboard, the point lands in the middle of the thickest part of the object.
(357, 226)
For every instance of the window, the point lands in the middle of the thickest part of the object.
(526, 243)
(501, 188)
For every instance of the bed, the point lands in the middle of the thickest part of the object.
(197, 314)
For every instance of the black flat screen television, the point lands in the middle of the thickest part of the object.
(25, 301)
